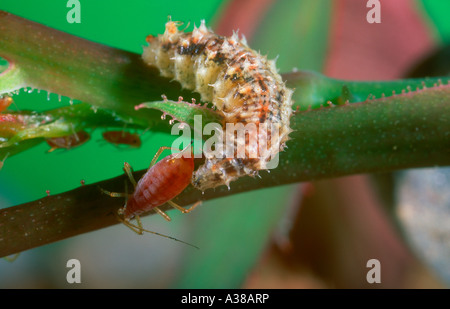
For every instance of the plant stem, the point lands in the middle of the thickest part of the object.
(314, 90)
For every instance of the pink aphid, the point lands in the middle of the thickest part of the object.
(162, 182)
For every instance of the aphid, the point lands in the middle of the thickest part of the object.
(122, 137)
(243, 86)
(68, 141)
(160, 184)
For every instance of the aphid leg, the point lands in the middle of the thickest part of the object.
(158, 153)
(129, 172)
(182, 209)
(127, 223)
(139, 225)
(74, 133)
(52, 149)
(114, 194)
(12, 258)
(162, 213)
(161, 149)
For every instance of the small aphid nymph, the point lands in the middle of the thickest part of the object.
(68, 141)
(122, 138)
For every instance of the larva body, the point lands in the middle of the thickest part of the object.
(242, 85)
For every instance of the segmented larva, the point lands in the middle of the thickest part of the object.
(243, 85)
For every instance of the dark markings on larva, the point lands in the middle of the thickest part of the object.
(166, 47)
(191, 49)
(219, 58)
(242, 85)
(249, 79)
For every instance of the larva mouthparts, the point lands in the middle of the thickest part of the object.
(243, 86)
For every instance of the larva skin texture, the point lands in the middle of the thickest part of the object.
(161, 183)
(243, 85)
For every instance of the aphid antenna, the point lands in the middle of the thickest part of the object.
(180, 154)
(129, 172)
(187, 25)
(139, 229)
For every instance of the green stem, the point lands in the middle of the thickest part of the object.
(404, 131)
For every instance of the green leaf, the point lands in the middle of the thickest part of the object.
(184, 112)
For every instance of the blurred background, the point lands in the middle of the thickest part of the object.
(309, 235)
